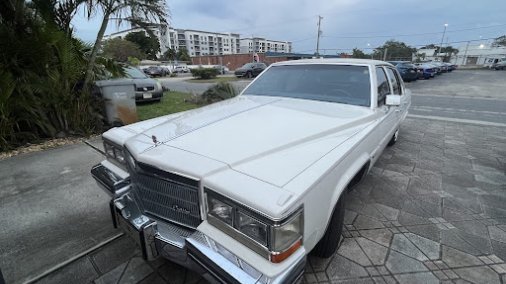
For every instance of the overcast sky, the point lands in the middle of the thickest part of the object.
(346, 23)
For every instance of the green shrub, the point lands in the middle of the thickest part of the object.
(204, 73)
(218, 92)
(41, 78)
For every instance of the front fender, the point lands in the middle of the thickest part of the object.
(345, 179)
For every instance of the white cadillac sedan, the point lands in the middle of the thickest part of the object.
(243, 190)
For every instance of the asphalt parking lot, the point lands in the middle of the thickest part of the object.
(432, 210)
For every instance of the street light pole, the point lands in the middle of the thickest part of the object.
(442, 38)
(318, 37)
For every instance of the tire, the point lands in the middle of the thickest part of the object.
(249, 75)
(394, 138)
(330, 241)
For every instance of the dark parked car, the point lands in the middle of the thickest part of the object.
(157, 71)
(250, 70)
(408, 71)
(146, 89)
(221, 69)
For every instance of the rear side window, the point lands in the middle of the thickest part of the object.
(383, 87)
(394, 81)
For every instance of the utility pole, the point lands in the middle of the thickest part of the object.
(385, 54)
(464, 60)
(318, 37)
(442, 38)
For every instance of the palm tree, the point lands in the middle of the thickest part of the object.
(142, 13)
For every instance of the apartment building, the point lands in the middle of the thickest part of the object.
(262, 45)
(200, 43)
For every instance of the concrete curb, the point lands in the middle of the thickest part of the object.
(74, 258)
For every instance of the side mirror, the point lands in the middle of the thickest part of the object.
(393, 100)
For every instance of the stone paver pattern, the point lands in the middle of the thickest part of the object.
(432, 210)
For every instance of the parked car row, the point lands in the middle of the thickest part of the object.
(423, 70)
(501, 65)
(156, 71)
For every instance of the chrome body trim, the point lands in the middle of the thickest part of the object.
(166, 195)
(185, 246)
(191, 248)
(113, 183)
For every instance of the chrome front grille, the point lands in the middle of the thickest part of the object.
(167, 196)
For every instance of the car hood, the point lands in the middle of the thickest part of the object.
(268, 138)
(144, 82)
(242, 69)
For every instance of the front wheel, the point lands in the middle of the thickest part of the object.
(394, 138)
(249, 75)
(329, 243)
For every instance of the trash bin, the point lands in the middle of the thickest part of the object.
(119, 98)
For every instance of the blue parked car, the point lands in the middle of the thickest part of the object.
(408, 71)
(428, 71)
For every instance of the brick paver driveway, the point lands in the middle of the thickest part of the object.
(432, 210)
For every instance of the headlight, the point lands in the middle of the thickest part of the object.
(274, 239)
(114, 151)
(221, 210)
(252, 228)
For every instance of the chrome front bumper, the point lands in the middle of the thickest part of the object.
(189, 248)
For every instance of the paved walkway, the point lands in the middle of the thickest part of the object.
(432, 210)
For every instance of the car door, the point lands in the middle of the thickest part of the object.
(405, 99)
(382, 132)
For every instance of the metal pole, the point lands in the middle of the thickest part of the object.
(318, 37)
(385, 54)
(464, 60)
(442, 38)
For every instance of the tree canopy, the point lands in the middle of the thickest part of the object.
(396, 50)
(148, 45)
(500, 41)
(170, 54)
(141, 13)
(182, 54)
(120, 50)
(357, 53)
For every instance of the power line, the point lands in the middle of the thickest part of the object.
(414, 34)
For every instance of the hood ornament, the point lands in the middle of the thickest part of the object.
(153, 137)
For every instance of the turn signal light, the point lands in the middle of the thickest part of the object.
(279, 257)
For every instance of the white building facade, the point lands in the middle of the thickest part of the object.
(477, 54)
(205, 43)
(262, 45)
(196, 42)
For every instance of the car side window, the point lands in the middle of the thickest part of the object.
(383, 87)
(394, 81)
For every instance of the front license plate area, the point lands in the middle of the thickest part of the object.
(147, 95)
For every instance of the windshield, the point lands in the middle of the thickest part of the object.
(134, 73)
(332, 83)
(247, 65)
